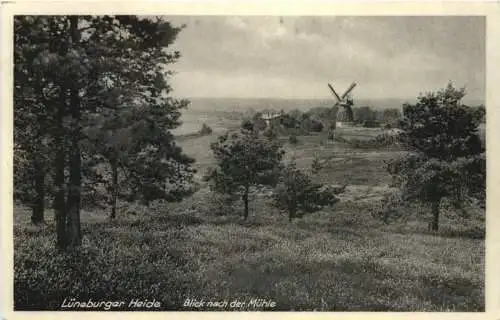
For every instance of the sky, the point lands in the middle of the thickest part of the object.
(295, 57)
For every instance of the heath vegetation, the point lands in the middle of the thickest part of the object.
(384, 215)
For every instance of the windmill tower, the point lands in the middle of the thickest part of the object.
(344, 103)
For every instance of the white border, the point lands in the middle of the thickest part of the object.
(190, 7)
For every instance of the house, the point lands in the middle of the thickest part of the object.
(272, 119)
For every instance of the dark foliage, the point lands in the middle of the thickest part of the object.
(205, 129)
(245, 160)
(293, 139)
(80, 93)
(447, 157)
(297, 194)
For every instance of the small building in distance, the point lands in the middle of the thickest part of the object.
(272, 119)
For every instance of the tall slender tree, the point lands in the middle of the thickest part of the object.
(61, 66)
(34, 93)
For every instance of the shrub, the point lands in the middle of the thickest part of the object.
(247, 125)
(205, 129)
(297, 195)
(259, 124)
(289, 122)
(293, 139)
(371, 124)
(387, 140)
(337, 137)
(360, 143)
(316, 126)
(390, 208)
(316, 165)
(271, 133)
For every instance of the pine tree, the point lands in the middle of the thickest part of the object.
(34, 93)
(297, 195)
(76, 69)
(447, 156)
(245, 160)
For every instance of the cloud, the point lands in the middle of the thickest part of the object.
(207, 84)
(269, 55)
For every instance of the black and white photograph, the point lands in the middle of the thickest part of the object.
(233, 163)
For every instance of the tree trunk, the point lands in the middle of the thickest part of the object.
(75, 162)
(38, 160)
(37, 215)
(59, 164)
(114, 188)
(245, 202)
(434, 223)
(74, 192)
(291, 212)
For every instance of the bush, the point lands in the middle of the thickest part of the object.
(247, 125)
(316, 165)
(337, 137)
(387, 140)
(297, 195)
(293, 139)
(371, 124)
(289, 122)
(259, 124)
(316, 126)
(205, 129)
(360, 143)
(390, 208)
(271, 133)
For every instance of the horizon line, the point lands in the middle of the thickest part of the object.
(313, 98)
(287, 98)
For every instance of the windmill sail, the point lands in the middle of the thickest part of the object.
(348, 90)
(335, 93)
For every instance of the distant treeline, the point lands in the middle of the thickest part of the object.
(318, 118)
(293, 122)
(368, 115)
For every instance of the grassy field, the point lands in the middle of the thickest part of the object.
(338, 259)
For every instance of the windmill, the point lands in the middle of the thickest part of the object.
(344, 103)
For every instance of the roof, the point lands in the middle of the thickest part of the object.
(271, 116)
